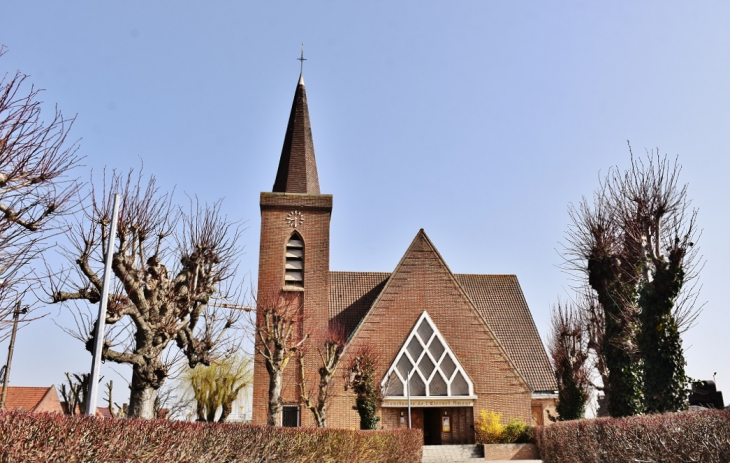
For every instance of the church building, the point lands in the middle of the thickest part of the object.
(455, 343)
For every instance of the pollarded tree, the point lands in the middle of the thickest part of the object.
(168, 265)
(608, 261)
(35, 161)
(329, 354)
(657, 216)
(569, 349)
(635, 249)
(279, 321)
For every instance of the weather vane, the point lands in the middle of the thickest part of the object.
(301, 59)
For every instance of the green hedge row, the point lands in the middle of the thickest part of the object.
(701, 436)
(57, 438)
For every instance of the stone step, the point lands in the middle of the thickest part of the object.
(452, 453)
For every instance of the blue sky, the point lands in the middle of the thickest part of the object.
(479, 121)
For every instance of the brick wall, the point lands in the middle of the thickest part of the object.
(423, 282)
(314, 298)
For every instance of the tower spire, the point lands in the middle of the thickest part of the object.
(297, 171)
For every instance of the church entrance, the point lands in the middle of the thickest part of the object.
(443, 426)
(432, 426)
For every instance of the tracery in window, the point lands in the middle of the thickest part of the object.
(435, 371)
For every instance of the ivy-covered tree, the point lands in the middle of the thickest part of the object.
(658, 218)
(361, 379)
(634, 247)
(609, 262)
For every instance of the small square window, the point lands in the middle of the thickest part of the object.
(290, 416)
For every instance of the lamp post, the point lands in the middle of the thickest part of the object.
(99, 333)
(408, 392)
(16, 313)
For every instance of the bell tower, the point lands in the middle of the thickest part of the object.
(294, 246)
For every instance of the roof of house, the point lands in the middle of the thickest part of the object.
(297, 171)
(26, 398)
(103, 412)
(497, 298)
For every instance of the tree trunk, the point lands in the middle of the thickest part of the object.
(275, 382)
(320, 417)
(226, 410)
(142, 398)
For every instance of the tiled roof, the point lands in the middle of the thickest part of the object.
(24, 398)
(352, 294)
(297, 171)
(103, 412)
(499, 299)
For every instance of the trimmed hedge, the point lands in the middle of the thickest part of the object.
(58, 438)
(701, 436)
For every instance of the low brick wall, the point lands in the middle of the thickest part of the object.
(511, 452)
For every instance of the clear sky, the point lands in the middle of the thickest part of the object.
(479, 121)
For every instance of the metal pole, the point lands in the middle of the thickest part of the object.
(99, 333)
(408, 391)
(16, 314)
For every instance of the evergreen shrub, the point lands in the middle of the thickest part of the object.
(701, 436)
(57, 438)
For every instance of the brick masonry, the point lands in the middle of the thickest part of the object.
(421, 282)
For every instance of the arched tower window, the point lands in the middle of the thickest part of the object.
(294, 274)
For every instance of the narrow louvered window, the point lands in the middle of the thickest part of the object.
(294, 275)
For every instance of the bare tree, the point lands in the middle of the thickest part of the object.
(74, 392)
(168, 264)
(35, 161)
(330, 355)
(569, 349)
(279, 337)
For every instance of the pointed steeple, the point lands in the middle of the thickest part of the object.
(297, 167)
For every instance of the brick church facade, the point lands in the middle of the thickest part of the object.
(459, 343)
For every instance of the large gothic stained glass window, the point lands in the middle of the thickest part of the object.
(435, 370)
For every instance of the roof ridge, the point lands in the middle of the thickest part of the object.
(488, 274)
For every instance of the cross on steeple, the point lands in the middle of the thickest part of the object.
(301, 60)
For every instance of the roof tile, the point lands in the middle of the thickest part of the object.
(24, 398)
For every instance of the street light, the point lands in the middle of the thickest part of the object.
(408, 392)
(16, 313)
